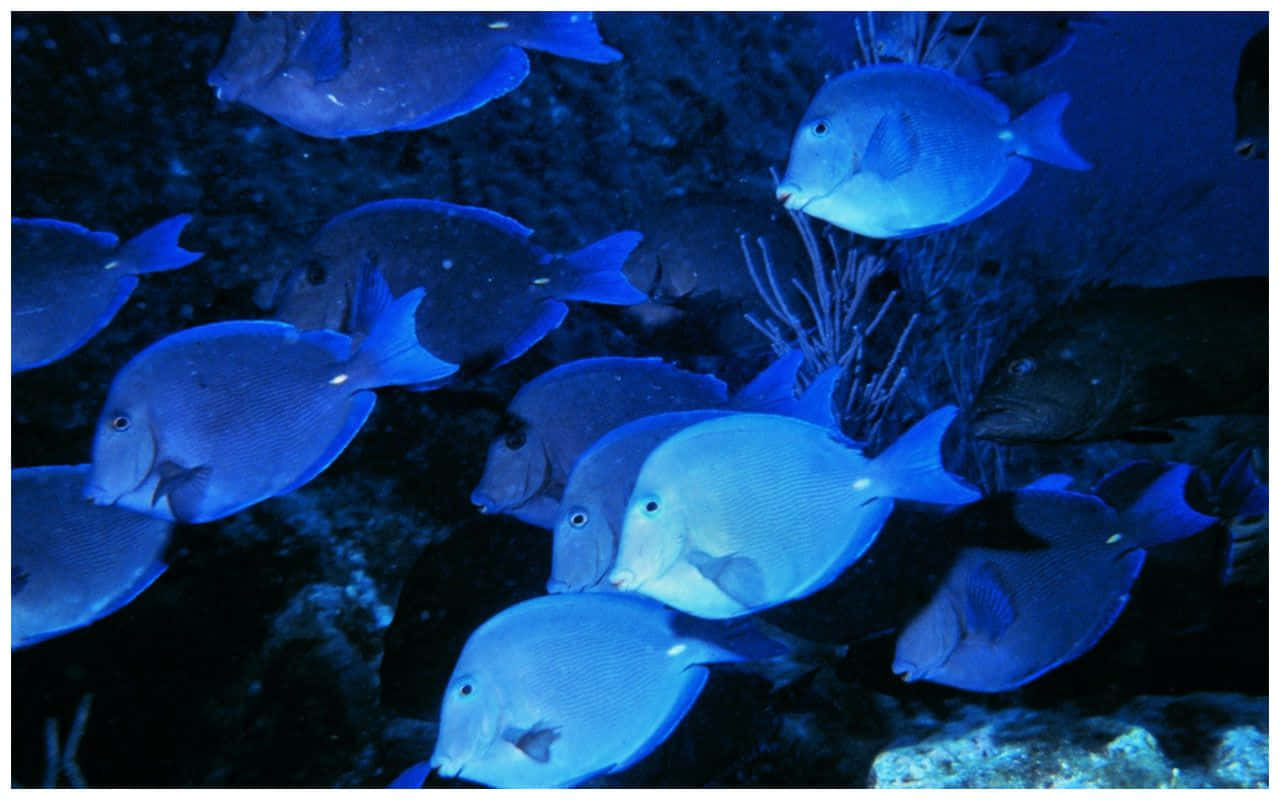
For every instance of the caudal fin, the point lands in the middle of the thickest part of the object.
(911, 468)
(1038, 134)
(1161, 513)
(156, 249)
(391, 355)
(571, 34)
(599, 271)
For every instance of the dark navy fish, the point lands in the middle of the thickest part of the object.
(1122, 362)
(1251, 98)
(211, 420)
(491, 294)
(73, 562)
(1003, 617)
(69, 281)
(338, 74)
(562, 412)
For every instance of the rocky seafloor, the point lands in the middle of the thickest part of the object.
(306, 641)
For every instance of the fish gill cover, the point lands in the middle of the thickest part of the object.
(549, 189)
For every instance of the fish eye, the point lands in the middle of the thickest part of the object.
(120, 423)
(316, 275)
(651, 506)
(578, 518)
(465, 690)
(1022, 366)
(515, 440)
(821, 128)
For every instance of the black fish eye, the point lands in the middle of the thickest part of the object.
(651, 507)
(120, 423)
(316, 274)
(465, 690)
(1023, 366)
(578, 518)
(515, 440)
(821, 128)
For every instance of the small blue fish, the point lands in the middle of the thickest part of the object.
(589, 521)
(338, 74)
(73, 562)
(1002, 618)
(491, 293)
(69, 281)
(902, 149)
(211, 420)
(738, 514)
(556, 690)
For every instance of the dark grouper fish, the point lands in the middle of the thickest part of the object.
(491, 293)
(216, 418)
(1004, 617)
(1120, 361)
(337, 74)
(69, 281)
(73, 562)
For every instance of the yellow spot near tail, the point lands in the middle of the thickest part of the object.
(1115, 537)
(541, 281)
(676, 649)
(500, 25)
(112, 265)
(338, 379)
(861, 483)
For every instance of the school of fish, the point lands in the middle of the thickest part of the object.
(676, 508)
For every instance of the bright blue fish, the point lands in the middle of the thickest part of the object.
(69, 281)
(73, 562)
(338, 74)
(901, 149)
(561, 688)
(1002, 618)
(211, 420)
(589, 521)
(737, 514)
(491, 292)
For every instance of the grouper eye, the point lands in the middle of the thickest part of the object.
(316, 275)
(578, 518)
(821, 128)
(120, 423)
(515, 440)
(1022, 366)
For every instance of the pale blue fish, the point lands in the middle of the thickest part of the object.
(211, 420)
(492, 293)
(339, 74)
(73, 562)
(69, 282)
(556, 690)
(738, 514)
(902, 149)
(587, 527)
(1002, 618)
(559, 414)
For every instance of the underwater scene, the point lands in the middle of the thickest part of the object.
(634, 399)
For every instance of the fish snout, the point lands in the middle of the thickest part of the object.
(557, 586)
(623, 579)
(906, 670)
(789, 195)
(98, 495)
(447, 767)
(484, 502)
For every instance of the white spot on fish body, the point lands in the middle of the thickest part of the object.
(1115, 537)
(861, 483)
(677, 649)
(1005, 135)
(500, 25)
(334, 100)
(541, 281)
(111, 264)
(337, 380)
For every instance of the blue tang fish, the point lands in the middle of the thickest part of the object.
(1001, 618)
(902, 149)
(589, 522)
(491, 294)
(69, 281)
(561, 688)
(338, 74)
(560, 413)
(73, 562)
(211, 420)
(738, 514)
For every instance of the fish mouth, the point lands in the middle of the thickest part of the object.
(906, 670)
(100, 496)
(485, 503)
(791, 197)
(447, 767)
(624, 580)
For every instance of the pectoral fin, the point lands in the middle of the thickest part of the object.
(894, 147)
(534, 742)
(184, 486)
(739, 577)
(988, 605)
